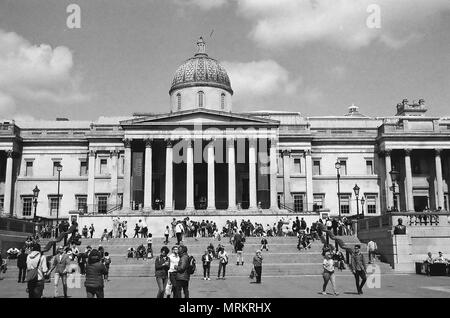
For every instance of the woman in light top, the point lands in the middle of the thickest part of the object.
(174, 259)
(328, 273)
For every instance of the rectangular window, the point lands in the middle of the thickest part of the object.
(297, 166)
(371, 203)
(369, 167)
(2, 202)
(27, 203)
(298, 202)
(318, 201)
(122, 164)
(102, 203)
(103, 166)
(56, 164)
(446, 202)
(316, 167)
(343, 170)
(345, 203)
(53, 203)
(81, 202)
(29, 168)
(83, 168)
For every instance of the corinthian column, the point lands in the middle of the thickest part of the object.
(189, 176)
(127, 175)
(409, 182)
(168, 204)
(211, 177)
(8, 184)
(91, 182)
(273, 174)
(439, 179)
(148, 175)
(252, 173)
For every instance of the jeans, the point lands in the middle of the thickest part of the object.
(22, 274)
(125, 234)
(329, 277)
(182, 285)
(206, 270)
(173, 281)
(161, 281)
(64, 283)
(35, 289)
(179, 238)
(95, 291)
(258, 272)
(359, 274)
(240, 257)
(222, 265)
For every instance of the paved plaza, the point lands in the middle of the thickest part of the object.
(305, 286)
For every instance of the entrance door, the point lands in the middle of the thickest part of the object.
(245, 194)
(420, 203)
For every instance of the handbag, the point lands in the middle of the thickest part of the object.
(33, 274)
(168, 289)
(252, 274)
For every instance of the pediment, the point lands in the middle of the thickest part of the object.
(198, 116)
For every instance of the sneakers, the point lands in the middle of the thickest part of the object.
(208, 278)
(323, 293)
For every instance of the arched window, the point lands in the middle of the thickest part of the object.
(222, 101)
(200, 99)
(179, 101)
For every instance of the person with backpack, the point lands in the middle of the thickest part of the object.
(185, 267)
(162, 264)
(36, 271)
(223, 261)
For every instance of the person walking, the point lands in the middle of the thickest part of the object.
(162, 265)
(372, 249)
(182, 276)
(95, 271)
(328, 273)
(206, 260)
(166, 235)
(136, 231)
(91, 230)
(359, 268)
(22, 265)
(60, 263)
(179, 232)
(36, 271)
(257, 264)
(124, 229)
(223, 261)
(174, 259)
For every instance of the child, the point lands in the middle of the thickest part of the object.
(107, 261)
(264, 243)
(149, 245)
(104, 235)
(206, 259)
(166, 235)
(130, 252)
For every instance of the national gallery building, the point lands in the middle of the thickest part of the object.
(200, 155)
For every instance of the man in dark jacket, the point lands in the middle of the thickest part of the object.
(182, 276)
(22, 265)
(95, 272)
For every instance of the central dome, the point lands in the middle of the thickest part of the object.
(201, 70)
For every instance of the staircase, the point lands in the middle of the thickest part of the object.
(282, 259)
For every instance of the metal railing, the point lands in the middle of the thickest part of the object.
(410, 219)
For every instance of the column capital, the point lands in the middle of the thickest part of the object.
(92, 153)
(148, 142)
(9, 153)
(127, 142)
(273, 141)
(408, 151)
(437, 152)
(307, 152)
(169, 142)
(114, 153)
(387, 152)
(285, 152)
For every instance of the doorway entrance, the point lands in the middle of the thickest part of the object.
(420, 203)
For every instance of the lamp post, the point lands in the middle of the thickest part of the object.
(35, 201)
(356, 190)
(337, 165)
(394, 177)
(362, 206)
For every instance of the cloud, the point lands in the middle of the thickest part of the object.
(36, 74)
(342, 23)
(259, 79)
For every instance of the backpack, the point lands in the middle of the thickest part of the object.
(33, 274)
(191, 265)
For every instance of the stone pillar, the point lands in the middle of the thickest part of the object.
(231, 174)
(127, 175)
(8, 184)
(287, 177)
(91, 182)
(211, 177)
(309, 181)
(148, 175)
(273, 166)
(388, 183)
(114, 171)
(168, 204)
(189, 176)
(409, 182)
(252, 173)
(439, 179)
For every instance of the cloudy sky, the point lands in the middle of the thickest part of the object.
(312, 56)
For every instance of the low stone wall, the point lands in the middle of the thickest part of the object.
(158, 220)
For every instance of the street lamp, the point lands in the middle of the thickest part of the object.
(362, 206)
(356, 190)
(337, 165)
(35, 201)
(394, 177)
